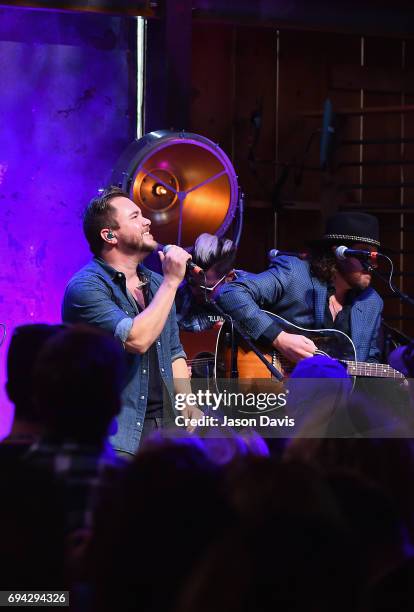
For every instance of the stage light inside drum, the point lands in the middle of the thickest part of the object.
(183, 182)
(159, 190)
(155, 191)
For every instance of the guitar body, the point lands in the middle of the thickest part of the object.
(330, 342)
(210, 356)
(200, 348)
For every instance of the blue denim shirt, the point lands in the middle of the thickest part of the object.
(97, 295)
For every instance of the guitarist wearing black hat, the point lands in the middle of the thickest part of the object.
(326, 291)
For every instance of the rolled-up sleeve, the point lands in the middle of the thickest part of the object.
(123, 329)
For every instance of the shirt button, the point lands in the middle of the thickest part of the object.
(138, 423)
(142, 396)
(158, 343)
(162, 370)
(144, 371)
(119, 274)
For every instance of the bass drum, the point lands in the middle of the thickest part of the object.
(183, 182)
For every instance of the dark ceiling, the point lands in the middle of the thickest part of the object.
(361, 16)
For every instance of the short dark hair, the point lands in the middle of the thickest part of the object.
(26, 343)
(210, 251)
(78, 379)
(99, 214)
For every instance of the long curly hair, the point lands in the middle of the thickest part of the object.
(323, 263)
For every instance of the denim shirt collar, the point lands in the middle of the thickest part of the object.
(116, 276)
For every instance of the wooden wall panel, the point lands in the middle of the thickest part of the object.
(305, 63)
(257, 240)
(212, 95)
(255, 110)
(409, 128)
(408, 286)
(302, 87)
(342, 50)
(235, 72)
(408, 197)
(390, 224)
(295, 227)
(387, 53)
(255, 138)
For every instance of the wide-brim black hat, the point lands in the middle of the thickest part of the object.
(349, 227)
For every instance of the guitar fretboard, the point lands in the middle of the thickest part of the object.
(378, 370)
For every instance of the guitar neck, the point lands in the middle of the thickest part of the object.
(377, 370)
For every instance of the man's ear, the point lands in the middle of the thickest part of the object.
(230, 276)
(108, 236)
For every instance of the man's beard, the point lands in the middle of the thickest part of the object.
(360, 282)
(149, 247)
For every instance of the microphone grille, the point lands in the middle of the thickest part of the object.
(340, 252)
(166, 248)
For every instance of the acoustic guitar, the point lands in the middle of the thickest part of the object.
(330, 342)
(209, 353)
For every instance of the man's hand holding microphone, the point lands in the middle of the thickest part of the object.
(175, 264)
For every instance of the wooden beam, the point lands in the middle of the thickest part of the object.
(357, 112)
(350, 77)
(143, 8)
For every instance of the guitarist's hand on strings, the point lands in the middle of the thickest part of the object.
(294, 347)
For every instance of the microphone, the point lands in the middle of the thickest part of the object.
(342, 252)
(191, 266)
(276, 253)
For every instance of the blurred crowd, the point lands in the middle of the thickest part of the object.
(196, 523)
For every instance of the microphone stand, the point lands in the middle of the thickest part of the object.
(235, 326)
(402, 296)
(401, 337)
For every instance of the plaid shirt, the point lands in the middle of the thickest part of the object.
(82, 472)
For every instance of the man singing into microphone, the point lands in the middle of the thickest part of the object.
(320, 292)
(115, 292)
